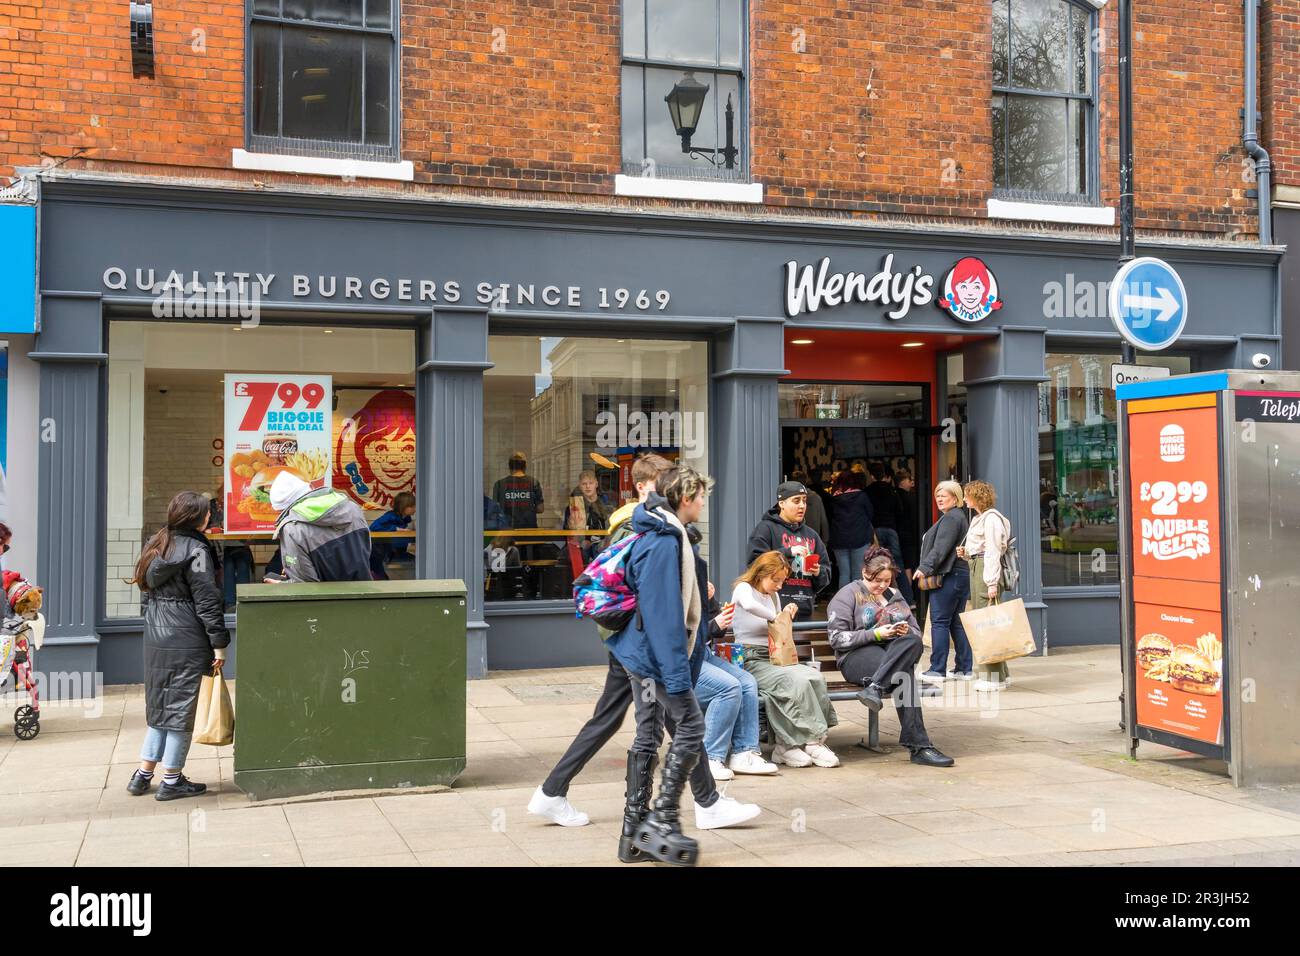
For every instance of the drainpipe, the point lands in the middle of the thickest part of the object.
(1250, 136)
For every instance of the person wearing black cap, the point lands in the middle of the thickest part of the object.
(782, 529)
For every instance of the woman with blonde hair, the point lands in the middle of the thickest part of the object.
(984, 549)
(799, 710)
(939, 559)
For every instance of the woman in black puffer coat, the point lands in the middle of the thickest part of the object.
(185, 636)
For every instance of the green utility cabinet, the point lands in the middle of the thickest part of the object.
(349, 685)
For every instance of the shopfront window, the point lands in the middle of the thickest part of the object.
(564, 418)
(1078, 467)
(168, 432)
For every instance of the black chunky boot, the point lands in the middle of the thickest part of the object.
(640, 778)
(660, 834)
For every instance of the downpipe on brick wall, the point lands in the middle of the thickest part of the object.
(1250, 134)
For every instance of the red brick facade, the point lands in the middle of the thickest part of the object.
(1279, 31)
(871, 109)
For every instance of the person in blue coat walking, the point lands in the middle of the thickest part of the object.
(662, 651)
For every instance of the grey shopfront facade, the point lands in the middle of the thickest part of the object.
(716, 282)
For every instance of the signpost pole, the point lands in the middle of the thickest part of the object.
(1126, 239)
(1127, 354)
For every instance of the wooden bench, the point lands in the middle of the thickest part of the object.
(812, 643)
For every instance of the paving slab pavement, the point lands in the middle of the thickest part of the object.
(1042, 778)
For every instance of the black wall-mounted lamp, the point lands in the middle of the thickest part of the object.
(141, 39)
(685, 104)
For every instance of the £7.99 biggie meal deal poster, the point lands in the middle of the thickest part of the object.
(274, 424)
(1177, 571)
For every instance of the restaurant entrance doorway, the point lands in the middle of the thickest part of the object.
(817, 452)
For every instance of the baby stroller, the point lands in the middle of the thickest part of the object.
(19, 639)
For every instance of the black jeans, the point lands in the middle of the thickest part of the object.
(605, 721)
(890, 666)
(655, 707)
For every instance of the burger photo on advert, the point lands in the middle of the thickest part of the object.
(1153, 652)
(256, 502)
(1192, 672)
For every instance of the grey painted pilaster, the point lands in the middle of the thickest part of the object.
(1241, 354)
(70, 566)
(746, 455)
(1002, 377)
(449, 407)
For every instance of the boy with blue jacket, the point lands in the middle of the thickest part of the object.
(662, 650)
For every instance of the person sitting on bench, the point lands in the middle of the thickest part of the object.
(799, 711)
(877, 644)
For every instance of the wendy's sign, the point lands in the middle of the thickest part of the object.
(969, 292)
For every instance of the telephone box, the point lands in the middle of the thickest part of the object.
(1210, 526)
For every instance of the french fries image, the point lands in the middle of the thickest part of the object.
(310, 464)
(1210, 646)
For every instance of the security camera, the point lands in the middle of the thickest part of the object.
(162, 390)
(1261, 360)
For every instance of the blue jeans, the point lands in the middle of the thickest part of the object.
(729, 696)
(849, 563)
(889, 538)
(237, 569)
(946, 604)
(168, 747)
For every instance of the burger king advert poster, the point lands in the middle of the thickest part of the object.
(274, 424)
(1180, 671)
(1177, 609)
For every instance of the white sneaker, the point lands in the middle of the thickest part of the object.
(557, 810)
(719, 770)
(990, 685)
(725, 812)
(821, 755)
(751, 761)
(791, 756)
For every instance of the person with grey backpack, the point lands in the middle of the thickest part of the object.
(994, 564)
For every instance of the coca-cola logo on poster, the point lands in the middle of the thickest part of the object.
(279, 447)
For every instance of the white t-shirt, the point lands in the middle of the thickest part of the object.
(753, 612)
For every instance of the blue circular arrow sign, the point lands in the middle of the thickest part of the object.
(1148, 303)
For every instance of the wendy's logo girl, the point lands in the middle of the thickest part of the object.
(375, 456)
(970, 291)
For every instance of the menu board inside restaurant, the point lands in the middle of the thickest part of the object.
(1177, 565)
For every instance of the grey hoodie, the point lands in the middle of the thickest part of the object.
(324, 537)
(852, 617)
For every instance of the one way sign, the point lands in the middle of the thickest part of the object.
(1148, 303)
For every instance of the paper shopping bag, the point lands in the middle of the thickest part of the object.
(215, 722)
(999, 632)
(780, 642)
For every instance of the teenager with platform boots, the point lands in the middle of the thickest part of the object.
(712, 809)
(662, 650)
